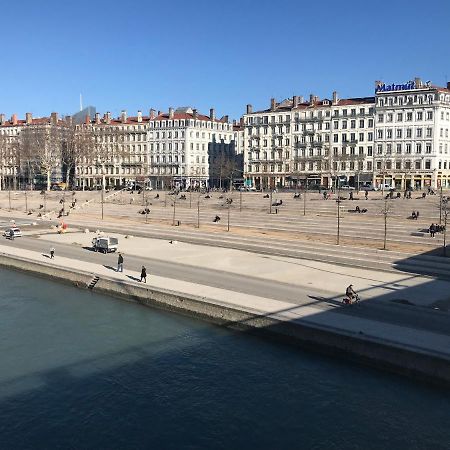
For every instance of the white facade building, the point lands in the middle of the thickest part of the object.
(399, 137)
(412, 135)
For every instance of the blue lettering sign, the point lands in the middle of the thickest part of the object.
(382, 87)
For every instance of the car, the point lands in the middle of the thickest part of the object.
(347, 187)
(368, 187)
(16, 231)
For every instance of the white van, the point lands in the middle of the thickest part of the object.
(105, 244)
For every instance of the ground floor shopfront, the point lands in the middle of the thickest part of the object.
(401, 180)
(420, 180)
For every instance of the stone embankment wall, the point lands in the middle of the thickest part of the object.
(434, 368)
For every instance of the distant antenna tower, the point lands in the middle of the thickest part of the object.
(81, 102)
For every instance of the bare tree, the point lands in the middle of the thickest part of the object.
(41, 147)
(386, 211)
(77, 147)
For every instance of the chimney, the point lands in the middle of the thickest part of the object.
(97, 117)
(194, 113)
(171, 113)
(28, 118)
(212, 114)
(315, 99)
(448, 84)
(152, 114)
(234, 122)
(108, 118)
(225, 118)
(14, 119)
(2, 119)
(273, 104)
(249, 109)
(241, 122)
(418, 82)
(139, 116)
(159, 112)
(311, 98)
(87, 119)
(335, 98)
(54, 118)
(295, 101)
(301, 99)
(123, 116)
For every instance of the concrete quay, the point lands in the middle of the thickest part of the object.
(414, 351)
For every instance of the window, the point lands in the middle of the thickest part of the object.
(419, 132)
(419, 148)
(428, 148)
(417, 165)
(380, 134)
(399, 133)
(429, 132)
(400, 117)
(409, 133)
(420, 115)
(408, 148)
(427, 164)
(408, 165)
(398, 165)
(389, 117)
(389, 133)
(380, 118)
(399, 148)
(369, 165)
(409, 116)
(429, 115)
(369, 151)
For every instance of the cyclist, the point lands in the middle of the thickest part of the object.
(350, 293)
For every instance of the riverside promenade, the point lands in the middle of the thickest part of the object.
(396, 327)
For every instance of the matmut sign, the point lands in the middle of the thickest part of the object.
(382, 87)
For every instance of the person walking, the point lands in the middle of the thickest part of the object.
(52, 252)
(432, 230)
(11, 234)
(143, 274)
(120, 263)
(366, 195)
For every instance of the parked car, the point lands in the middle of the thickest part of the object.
(16, 231)
(368, 187)
(105, 244)
(347, 187)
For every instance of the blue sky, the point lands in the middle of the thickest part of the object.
(137, 55)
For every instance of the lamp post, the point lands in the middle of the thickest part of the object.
(338, 201)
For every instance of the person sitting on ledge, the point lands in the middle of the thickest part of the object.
(216, 219)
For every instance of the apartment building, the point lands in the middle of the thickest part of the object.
(313, 142)
(412, 140)
(23, 162)
(399, 136)
(118, 153)
(183, 144)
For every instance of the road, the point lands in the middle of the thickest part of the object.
(383, 311)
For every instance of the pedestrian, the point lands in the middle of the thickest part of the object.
(120, 263)
(432, 230)
(52, 252)
(11, 234)
(144, 274)
(417, 215)
(366, 195)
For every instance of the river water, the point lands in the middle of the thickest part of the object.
(84, 371)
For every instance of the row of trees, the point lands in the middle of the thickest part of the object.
(54, 148)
